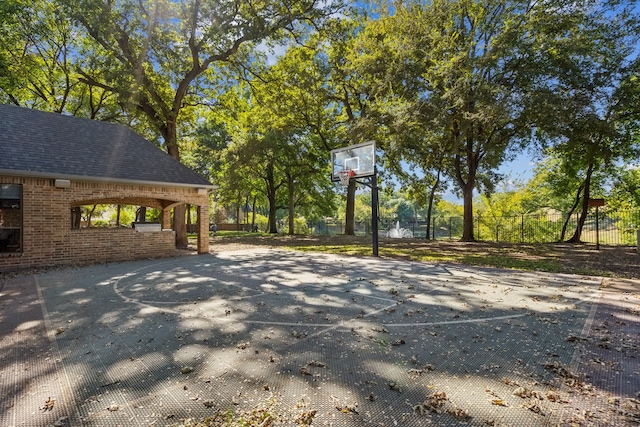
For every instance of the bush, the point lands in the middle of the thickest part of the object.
(261, 222)
(300, 225)
(100, 223)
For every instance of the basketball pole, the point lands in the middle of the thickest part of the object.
(374, 210)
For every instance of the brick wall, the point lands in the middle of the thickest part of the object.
(120, 244)
(233, 227)
(47, 237)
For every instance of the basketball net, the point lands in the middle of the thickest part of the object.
(345, 176)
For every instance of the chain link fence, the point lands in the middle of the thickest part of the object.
(607, 228)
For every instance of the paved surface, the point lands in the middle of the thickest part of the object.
(342, 341)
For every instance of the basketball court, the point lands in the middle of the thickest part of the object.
(355, 341)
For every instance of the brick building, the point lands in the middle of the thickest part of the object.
(51, 164)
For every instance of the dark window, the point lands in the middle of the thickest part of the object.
(10, 218)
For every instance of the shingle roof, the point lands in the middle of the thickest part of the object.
(57, 146)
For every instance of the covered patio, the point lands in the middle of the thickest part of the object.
(53, 164)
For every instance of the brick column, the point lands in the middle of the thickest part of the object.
(166, 218)
(203, 229)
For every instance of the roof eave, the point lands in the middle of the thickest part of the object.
(45, 175)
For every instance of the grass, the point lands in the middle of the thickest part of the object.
(583, 259)
(223, 233)
(503, 260)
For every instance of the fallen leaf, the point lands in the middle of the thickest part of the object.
(348, 408)
(48, 404)
(61, 422)
(533, 407)
(522, 392)
(306, 418)
(305, 371)
(459, 413)
(394, 386)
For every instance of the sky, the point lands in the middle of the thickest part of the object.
(520, 169)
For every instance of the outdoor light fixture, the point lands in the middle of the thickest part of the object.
(62, 183)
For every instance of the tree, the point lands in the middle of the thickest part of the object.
(419, 163)
(594, 123)
(475, 77)
(303, 95)
(321, 93)
(625, 193)
(294, 93)
(38, 57)
(459, 69)
(274, 146)
(157, 56)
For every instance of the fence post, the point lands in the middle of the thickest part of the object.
(433, 228)
(597, 231)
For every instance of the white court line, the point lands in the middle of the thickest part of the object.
(342, 323)
(453, 322)
(191, 302)
(592, 298)
(68, 397)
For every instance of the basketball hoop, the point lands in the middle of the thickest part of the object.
(345, 176)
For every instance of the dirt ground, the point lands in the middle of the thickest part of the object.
(608, 261)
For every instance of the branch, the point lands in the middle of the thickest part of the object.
(88, 80)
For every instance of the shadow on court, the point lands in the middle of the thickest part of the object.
(342, 341)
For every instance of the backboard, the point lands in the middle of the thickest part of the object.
(359, 158)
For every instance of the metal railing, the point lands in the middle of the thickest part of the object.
(607, 228)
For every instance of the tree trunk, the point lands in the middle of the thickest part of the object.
(428, 234)
(180, 227)
(271, 196)
(170, 135)
(89, 215)
(292, 205)
(432, 194)
(570, 213)
(253, 213)
(141, 214)
(188, 210)
(118, 216)
(273, 227)
(467, 195)
(245, 212)
(585, 206)
(467, 186)
(350, 218)
(467, 219)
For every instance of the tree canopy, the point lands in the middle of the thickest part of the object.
(254, 95)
